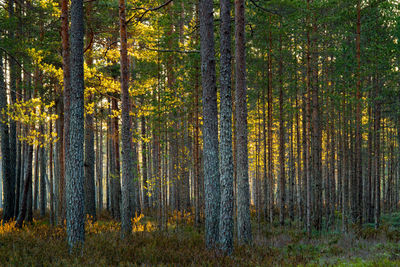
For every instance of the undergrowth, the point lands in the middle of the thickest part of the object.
(39, 244)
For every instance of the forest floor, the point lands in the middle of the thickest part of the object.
(38, 244)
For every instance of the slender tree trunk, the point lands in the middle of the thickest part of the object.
(357, 214)
(126, 135)
(52, 215)
(90, 187)
(196, 153)
(43, 192)
(18, 173)
(243, 193)
(316, 133)
(27, 183)
(99, 171)
(270, 173)
(63, 110)
(13, 128)
(377, 157)
(226, 210)
(144, 164)
(36, 177)
(282, 171)
(8, 211)
(115, 178)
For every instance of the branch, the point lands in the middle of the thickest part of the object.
(91, 41)
(264, 9)
(147, 10)
(109, 47)
(272, 11)
(172, 51)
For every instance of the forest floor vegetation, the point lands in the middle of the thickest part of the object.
(39, 244)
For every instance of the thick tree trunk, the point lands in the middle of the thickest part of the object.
(210, 124)
(74, 162)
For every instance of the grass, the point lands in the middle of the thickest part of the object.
(39, 244)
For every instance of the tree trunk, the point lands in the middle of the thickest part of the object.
(36, 177)
(210, 124)
(63, 110)
(27, 184)
(74, 162)
(144, 164)
(8, 211)
(282, 172)
(126, 134)
(115, 179)
(243, 206)
(90, 187)
(13, 127)
(43, 192)
(226, 217)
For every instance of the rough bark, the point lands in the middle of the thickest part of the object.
(126, 135)
(243, 193)
(210, 124)
(74, 161)
(226, 210)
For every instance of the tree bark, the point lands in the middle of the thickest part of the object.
(210, 124)
(126, 134)
(243, 196)
(226, 211)
(74, 162)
